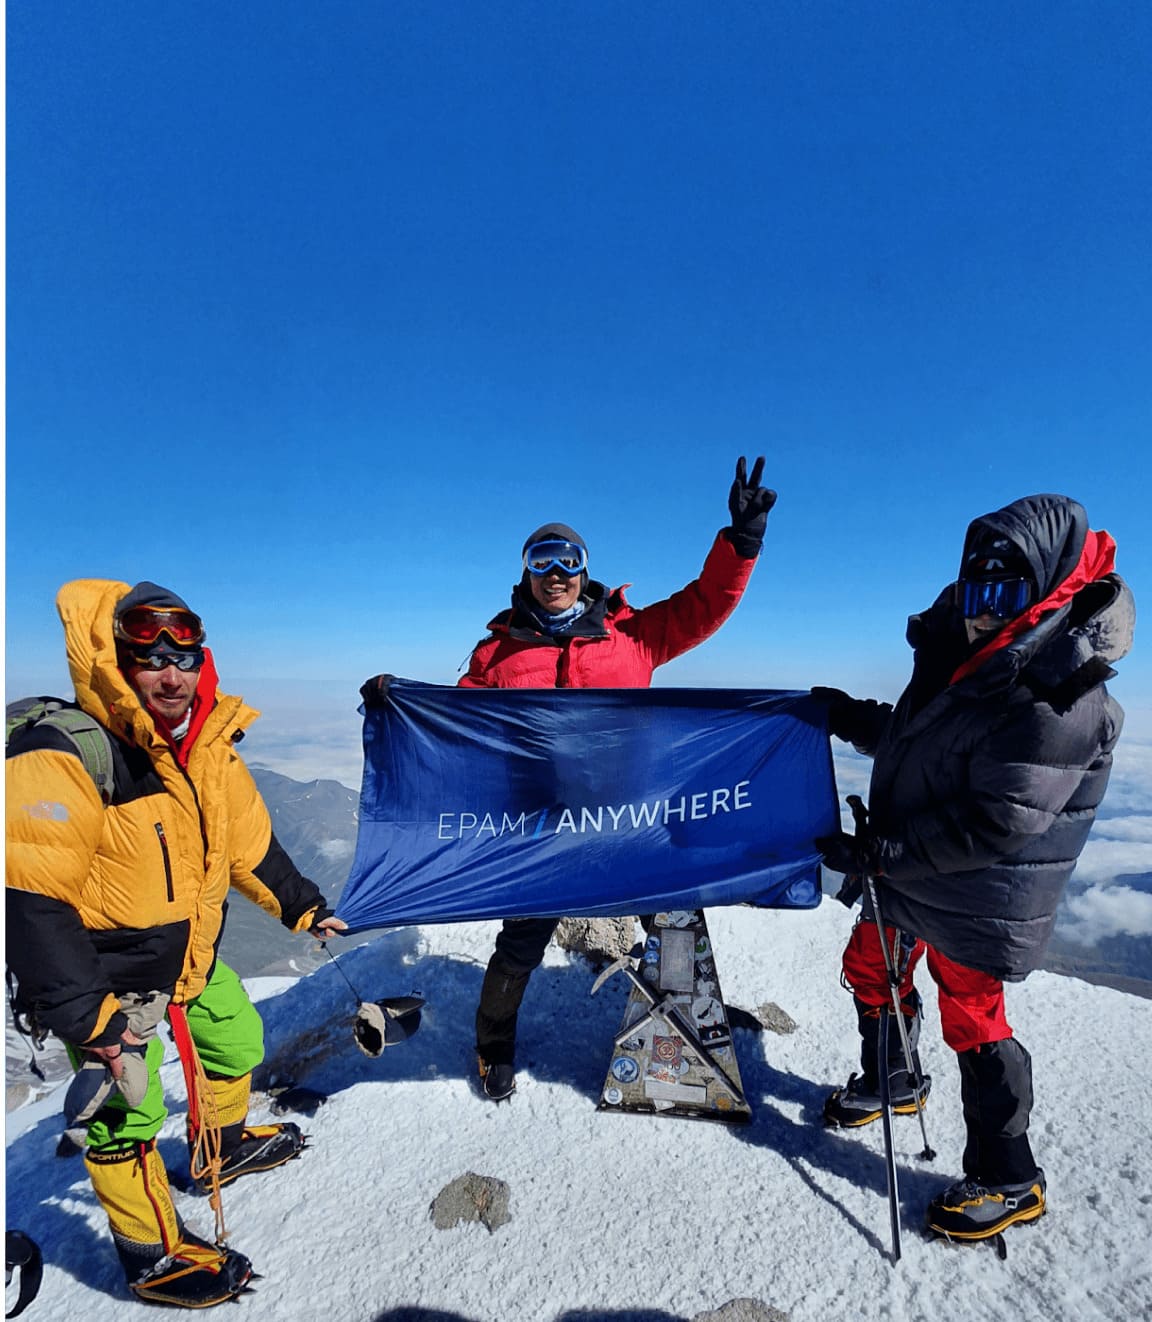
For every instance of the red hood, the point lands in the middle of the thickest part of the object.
(1097, 560)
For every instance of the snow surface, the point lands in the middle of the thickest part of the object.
(620, 1216)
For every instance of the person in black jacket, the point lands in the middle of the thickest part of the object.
(987, 776)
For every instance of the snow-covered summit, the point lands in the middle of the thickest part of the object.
(628, 1216)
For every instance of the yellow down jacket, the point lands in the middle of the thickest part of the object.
(131, 897)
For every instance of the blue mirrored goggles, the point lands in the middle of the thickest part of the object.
(1002, 597)
(566, 557)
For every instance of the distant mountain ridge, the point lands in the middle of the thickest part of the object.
(316, 823)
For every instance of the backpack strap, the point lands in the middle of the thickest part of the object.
(87, 736)
(92, 743)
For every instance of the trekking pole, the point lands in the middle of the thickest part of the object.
(886, 1118)
(860, 816)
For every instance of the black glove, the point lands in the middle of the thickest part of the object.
(844, 853)
(321, 913)
(857, 856)
(840, 706)
(374, 691)
(859, 721)
(748, 504)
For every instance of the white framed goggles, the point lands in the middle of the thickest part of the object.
(567, 558)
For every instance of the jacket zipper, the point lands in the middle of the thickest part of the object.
(199, 813)
(167, 861)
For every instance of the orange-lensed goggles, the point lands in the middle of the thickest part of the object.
(143, 625)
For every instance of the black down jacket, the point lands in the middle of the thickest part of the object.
(985, 787)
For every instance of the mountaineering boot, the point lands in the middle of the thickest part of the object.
(497, 1078)
(163, 1262)
(500, 996)
(858, 1102)
(195, 1274)
(971, 1210)
(247, 1149)
(1002, 1184)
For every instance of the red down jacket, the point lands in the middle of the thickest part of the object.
(612, 645)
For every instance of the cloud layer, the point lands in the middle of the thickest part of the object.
(1106, 911)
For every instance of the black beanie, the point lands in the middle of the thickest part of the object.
(151, 594)
(559, 532)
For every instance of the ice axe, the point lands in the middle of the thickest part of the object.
(667, 1012)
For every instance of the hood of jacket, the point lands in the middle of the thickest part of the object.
(87, 607)
(1049, 531)
(1084, 616)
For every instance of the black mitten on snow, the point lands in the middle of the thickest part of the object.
(748, 505)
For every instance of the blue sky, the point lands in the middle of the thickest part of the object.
(314, 311)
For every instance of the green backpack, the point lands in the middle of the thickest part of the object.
(84, 732)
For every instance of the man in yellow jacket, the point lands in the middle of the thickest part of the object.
(116, 907)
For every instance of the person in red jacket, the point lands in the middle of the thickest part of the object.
(565, 630)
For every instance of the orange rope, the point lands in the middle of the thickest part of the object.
(203, 1121)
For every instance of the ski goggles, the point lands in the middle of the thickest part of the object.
(143, 626)
(162, 658)
(567, 557)
(1002, 597)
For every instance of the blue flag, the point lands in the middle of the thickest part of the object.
(516, 803)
